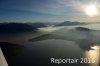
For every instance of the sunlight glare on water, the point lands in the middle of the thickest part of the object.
(94, 53)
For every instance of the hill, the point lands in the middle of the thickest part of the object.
(83, 29)
(37, 25)
(69, 23)
(16, 27)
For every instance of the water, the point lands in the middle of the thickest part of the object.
(95, 55)
(40, 52)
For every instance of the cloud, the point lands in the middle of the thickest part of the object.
(48, 10)
(55, 7)
(83, 37)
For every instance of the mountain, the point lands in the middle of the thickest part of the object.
(69, 23)
(51, 23)
(37, 25)
(16, 27)
(83, 29)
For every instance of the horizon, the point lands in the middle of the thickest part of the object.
(52, 22)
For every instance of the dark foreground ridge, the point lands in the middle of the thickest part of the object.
(16, 27)
(38, 25)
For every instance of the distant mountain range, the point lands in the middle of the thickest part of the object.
(45, 24)
(38, 24)
(15, 27)
(69, 23)
(26, 27)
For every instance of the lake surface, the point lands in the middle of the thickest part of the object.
(95, 55)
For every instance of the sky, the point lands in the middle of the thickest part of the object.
(45, 11)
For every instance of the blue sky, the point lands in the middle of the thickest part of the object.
(44, 10)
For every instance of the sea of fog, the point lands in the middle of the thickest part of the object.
(40, 53)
